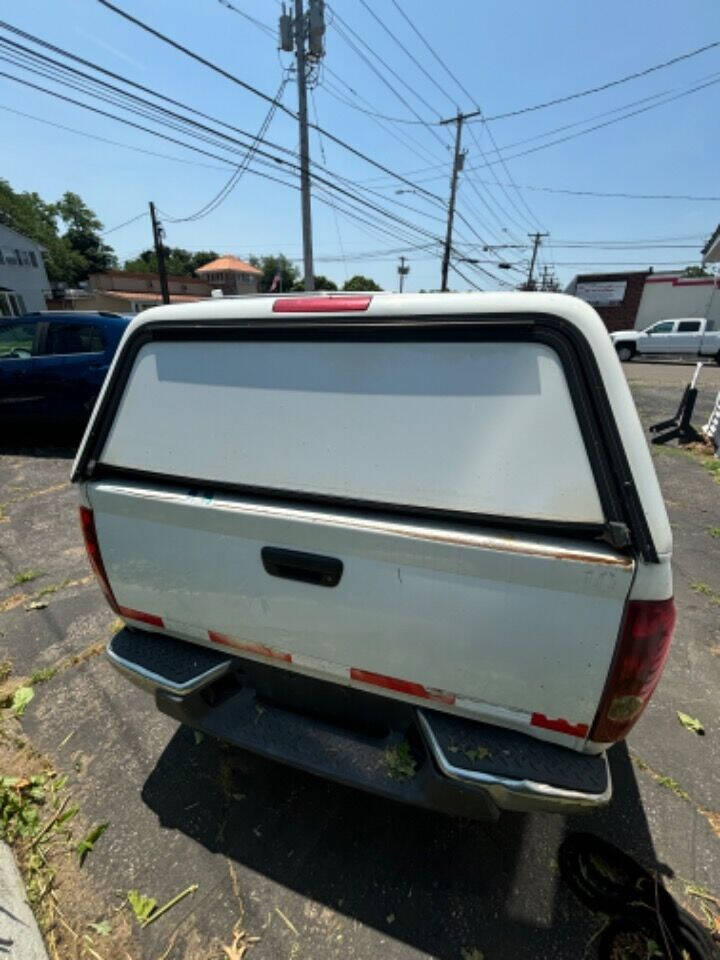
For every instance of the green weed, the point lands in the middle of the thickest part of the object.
(25, 576)
(400, 762)
(41, 676)
(698, 586)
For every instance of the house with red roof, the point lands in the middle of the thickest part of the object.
(231, 275)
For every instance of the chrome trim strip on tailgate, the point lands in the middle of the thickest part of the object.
(503, 789)
(440, 532)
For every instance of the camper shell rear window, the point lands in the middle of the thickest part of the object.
(488, 420)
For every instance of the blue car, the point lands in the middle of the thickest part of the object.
(52, 365)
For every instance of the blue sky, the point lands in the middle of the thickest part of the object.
(506, 54)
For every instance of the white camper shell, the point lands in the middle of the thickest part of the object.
(420, 520)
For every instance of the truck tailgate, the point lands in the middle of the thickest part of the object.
(515, 628)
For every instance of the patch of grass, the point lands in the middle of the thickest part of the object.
(41, 676)
(698, 586)
(46, 591)
(712, 464)
(5, 669)
(664, 781)
(399, 762)
(700, 453)
(25, 576)
(673, 785)
(23, 801)
(714, 532)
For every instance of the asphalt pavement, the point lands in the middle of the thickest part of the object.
(317, 870)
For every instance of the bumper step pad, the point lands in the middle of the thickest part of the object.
(472, 747)
(163, 661)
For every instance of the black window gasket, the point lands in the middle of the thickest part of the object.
(625, 523)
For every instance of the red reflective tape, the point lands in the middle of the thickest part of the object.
(402, 686)
(256, 648)
(321, 304)
(559, 725)
(141, 616)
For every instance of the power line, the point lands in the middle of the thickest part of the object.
(367, 111)
(620, 263)
(115, 76)
(234, 79)
(631, 246)
(422, 39)
(196, 56)
(324, 159)
(364, 203)
(381, 120)
(603, 86)
(174, 126)
(629, 196)
(113, 143)
(235, 177)
(159, 113)
(125, 223)
(353, 198)
(241, 13)
(383, 79)
(596, 116)
(405, 50)
(533, 218)
(686, 236)
(56, 65)
(591, 129)
(599, 126)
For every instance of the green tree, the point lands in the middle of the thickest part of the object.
(289, 273)
(82, 234)
(31, 216)
(696, 272)
(69, 256)
(359, 282)
(321, 283)
(177, 261)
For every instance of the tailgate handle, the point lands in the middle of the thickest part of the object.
(305, 567)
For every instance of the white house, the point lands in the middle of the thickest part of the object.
(23, 280)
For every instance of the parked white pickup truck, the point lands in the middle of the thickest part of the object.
(413, 543)
(687, 336)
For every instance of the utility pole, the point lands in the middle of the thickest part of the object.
(458, 161)
(403, 271)
(310, 27)
(159, 253)
(537, 240)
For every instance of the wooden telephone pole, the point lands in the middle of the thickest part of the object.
(160, 254)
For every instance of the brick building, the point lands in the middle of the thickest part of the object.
(615, 296)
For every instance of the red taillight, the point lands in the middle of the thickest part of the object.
(636, 668)
(321, 304)
(87, 522)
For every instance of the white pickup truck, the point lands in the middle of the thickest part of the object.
(686, 336)
(413, 543)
